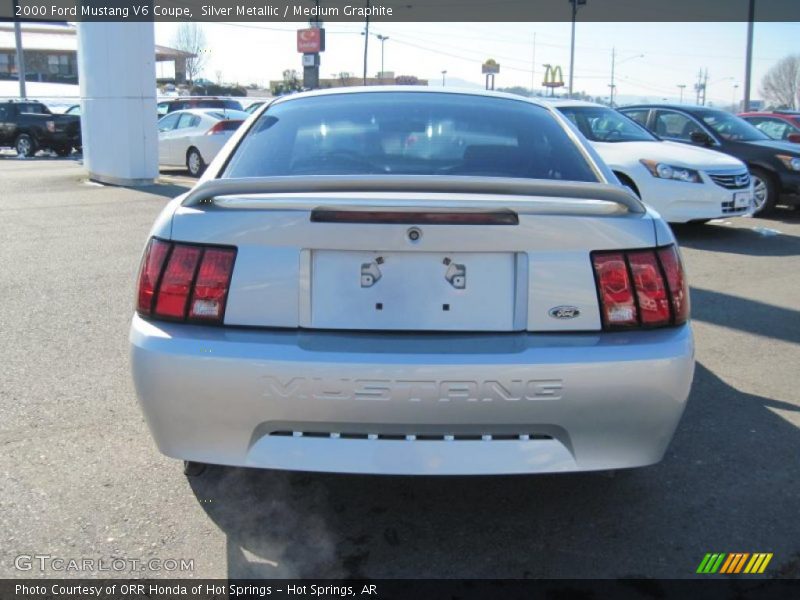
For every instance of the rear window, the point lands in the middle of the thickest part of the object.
(230, 104)
(410, 133)
(33, 108)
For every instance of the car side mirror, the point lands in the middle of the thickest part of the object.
(794, 137)
(701, 137)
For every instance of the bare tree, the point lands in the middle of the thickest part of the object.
(191, 38)
(781, 85)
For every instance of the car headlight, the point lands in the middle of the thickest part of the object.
(665, 171)
(790, 162)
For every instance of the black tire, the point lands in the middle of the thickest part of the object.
(63, 151)
(764, 184)
(195, 163)
(25, 145)
(193, 469)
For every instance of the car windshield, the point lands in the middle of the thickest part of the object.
(730, 127)
(606, 125)
(414, 133)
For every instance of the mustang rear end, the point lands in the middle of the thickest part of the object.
(411, 282)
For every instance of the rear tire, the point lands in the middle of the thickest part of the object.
(25, 145)
(765, 191)
(193, 469)
(194, 162)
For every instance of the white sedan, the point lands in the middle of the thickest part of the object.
(683, 183)
(191, 138)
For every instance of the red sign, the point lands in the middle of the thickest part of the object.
(311, 40)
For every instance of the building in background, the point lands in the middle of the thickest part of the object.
(51, 53)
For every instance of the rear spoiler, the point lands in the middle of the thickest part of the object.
(535, 195)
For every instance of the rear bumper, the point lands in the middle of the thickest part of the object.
(411, 404)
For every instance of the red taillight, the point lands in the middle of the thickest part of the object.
(173, 293)
(616, 294)
(679, 290)
(185, 281)
(224, 127)
(651, 291)
(211, 287)
(149, 272)
(654, 276)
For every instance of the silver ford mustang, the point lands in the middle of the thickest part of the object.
(411, 281)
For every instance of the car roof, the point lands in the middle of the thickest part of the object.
(771, 113)
(565, 102)
(689, 108)
(412, 88)
(207, 111)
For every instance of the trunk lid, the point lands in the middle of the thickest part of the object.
(402, 258)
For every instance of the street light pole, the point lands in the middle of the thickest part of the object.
(681, 87)
(444, 74)
(382, 39)
(613, 65)
(751, 14)
(572, 45)
(366, 44)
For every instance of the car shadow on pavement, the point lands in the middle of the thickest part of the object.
(729, 482)
(756, 240)
(744, 314)
(167, 190)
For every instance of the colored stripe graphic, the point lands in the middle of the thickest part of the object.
(734, 563)
(711, 563)
(758, 563)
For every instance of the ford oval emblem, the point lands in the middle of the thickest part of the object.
(564, 312)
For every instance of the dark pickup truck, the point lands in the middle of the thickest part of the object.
(29, 126)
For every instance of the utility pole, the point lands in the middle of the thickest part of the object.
(613, 61)
(533, 66)
(748, 63)
(700, 87)
(366, 44)
(574, 4)
(681, 87)
(20, 56)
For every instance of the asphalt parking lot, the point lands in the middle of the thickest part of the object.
(81, 477)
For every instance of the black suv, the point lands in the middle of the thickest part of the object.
(774, 165)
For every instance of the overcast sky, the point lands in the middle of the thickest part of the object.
(673, 53)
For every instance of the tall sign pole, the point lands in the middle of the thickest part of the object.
(310, 42)
(20, 56)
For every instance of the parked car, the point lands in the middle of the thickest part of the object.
(774, 166)
(779, 125)
(192, 138)
(683, 184)
(166, 106)
(408, 280)
(28, 126)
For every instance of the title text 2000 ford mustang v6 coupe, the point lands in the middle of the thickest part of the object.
(409, 281)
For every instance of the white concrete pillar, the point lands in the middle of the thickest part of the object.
(116, 68)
